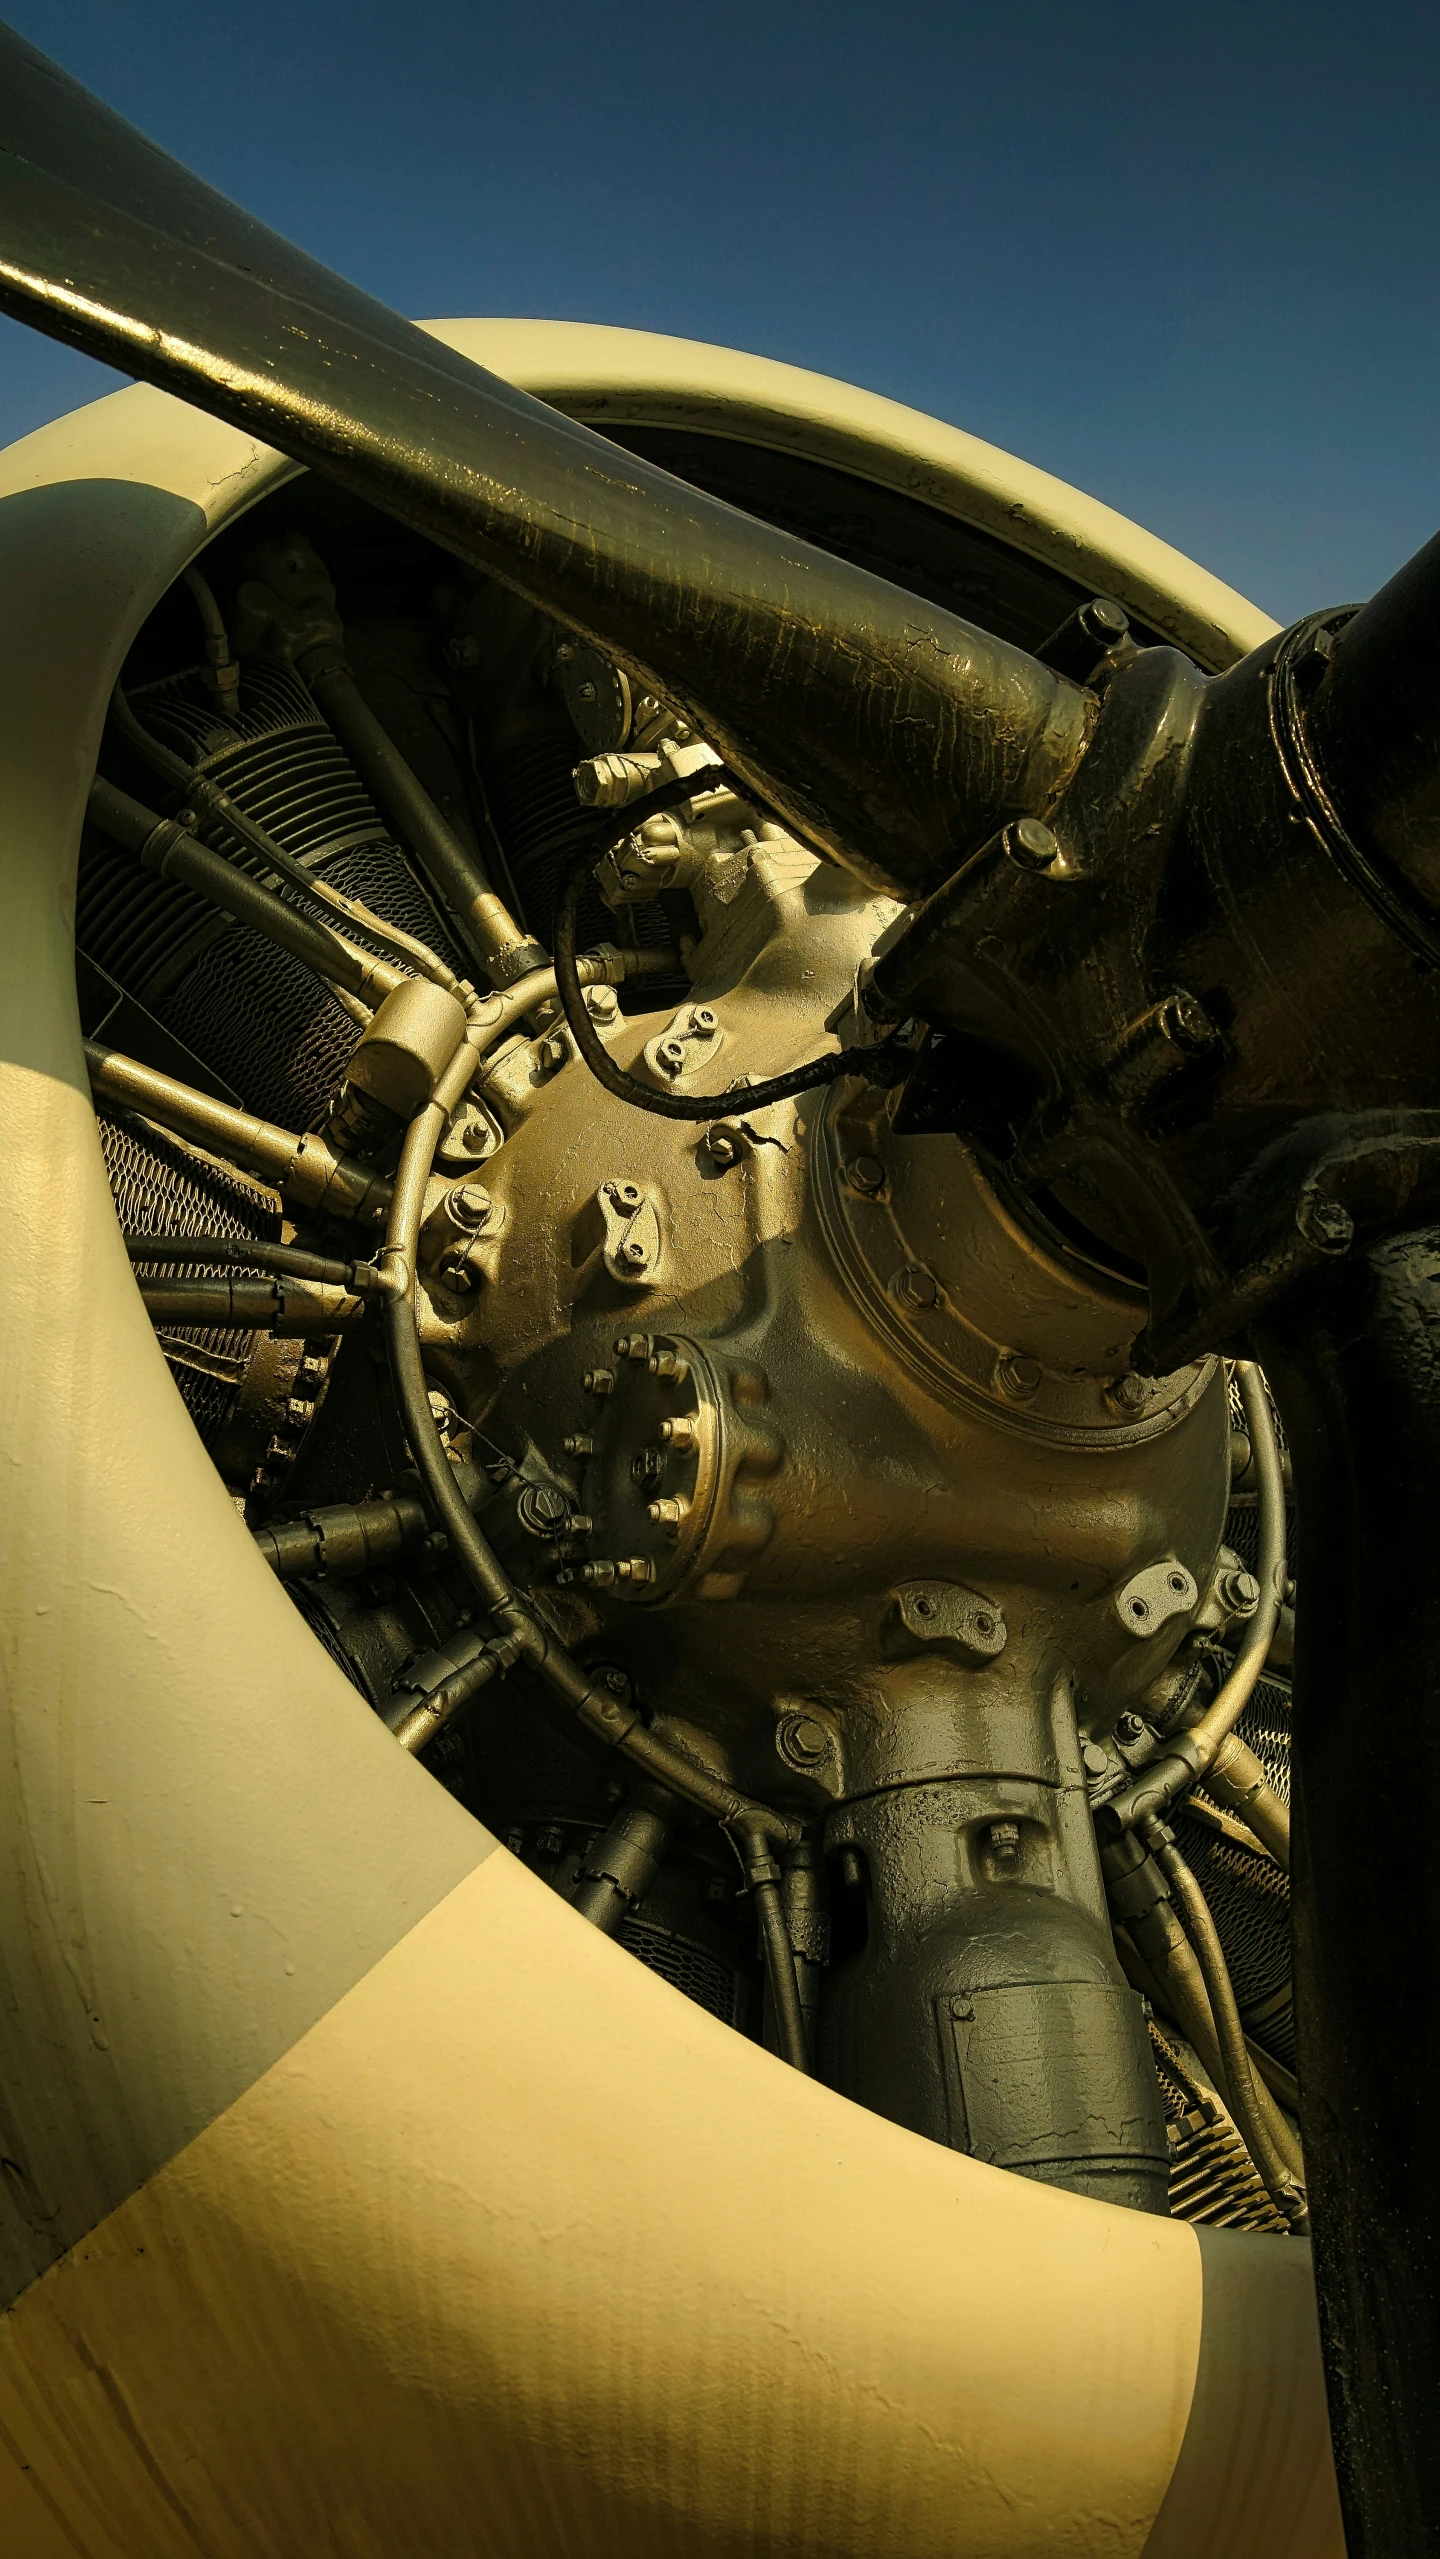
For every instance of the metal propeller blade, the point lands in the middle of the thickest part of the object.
(889, 733)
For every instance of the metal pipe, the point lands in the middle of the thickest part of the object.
(618, 1869)
(289, 1308)
(251, 1253)
(1266, 2137)
(167, 847)
(304, 1170)
(341, 1537)
(489, 929)
(210, 802)
(1236, 1779)
(445, 1682)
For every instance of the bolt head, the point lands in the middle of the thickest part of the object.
(464, 650)
(1326, 1223)
(865, 1174)
(1130, 1393)
(1017, 1375)
(1030, 844)
(1129, 1728)
(802, 1740)
(722, 1146)
(916, 1287)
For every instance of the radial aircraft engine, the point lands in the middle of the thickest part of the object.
(720, 1118)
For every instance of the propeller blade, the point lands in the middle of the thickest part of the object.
(890, 734)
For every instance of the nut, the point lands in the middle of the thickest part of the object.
(599, 1381)
(1325, 1223)
(802, 1740)
(1030, 844)
(1017, 1375)
(1186, 1024)
(670, 1056)
(915, 1286)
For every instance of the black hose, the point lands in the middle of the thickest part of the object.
(886, 1063)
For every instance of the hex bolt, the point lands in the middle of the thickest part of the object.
(1130, 1728)
(1031, 844)
(635, 1568)
(599, 1575)
(635, 1346)
(679, 1432)
(554, 1051)
(1017, 1375)
(1005, 1842)
(865, 1174)
(578, 1444)
(669, 1365)
(1326, 1223)
(542, 1509)
(470, 1205)
(916, 1286)
(802, 1740)
(1240, 1592)
(1130, 1392)
(667, 1512)
(599, 1381)
(581, 1524)
(722, 1147)
(602, 1003)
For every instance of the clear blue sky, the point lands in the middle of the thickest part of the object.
(1188, 259)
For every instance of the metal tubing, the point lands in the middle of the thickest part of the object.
(248, 1253)
(618, 1869)
(303, 1169)
(289, 1308)
(168, 848)
(342, 1537)
(1236, 1780)
(1272, 2153)
(488, 927)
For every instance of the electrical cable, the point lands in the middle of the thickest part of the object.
(883, 1064)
